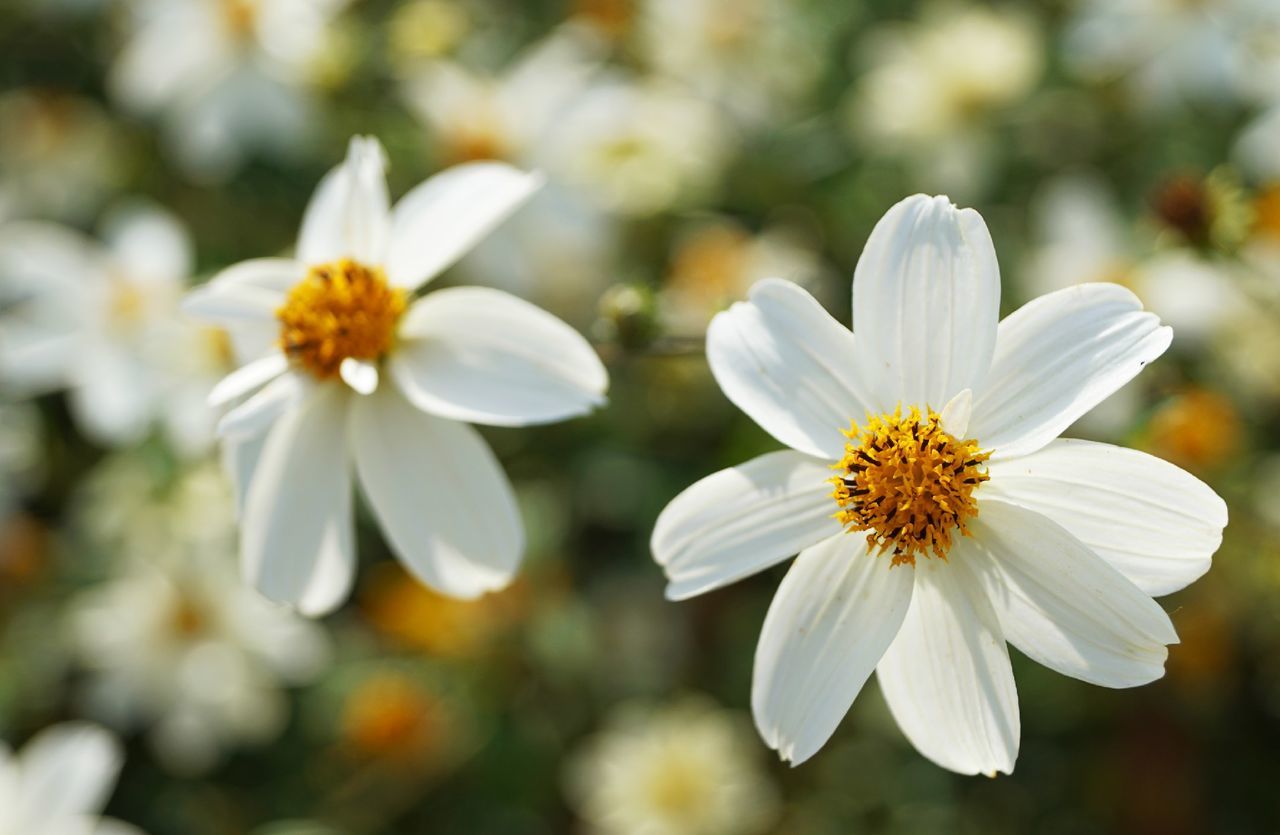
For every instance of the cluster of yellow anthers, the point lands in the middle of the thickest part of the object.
(908, 483)
(340, 310)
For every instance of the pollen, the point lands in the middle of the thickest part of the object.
(908, 484)
(338, 311)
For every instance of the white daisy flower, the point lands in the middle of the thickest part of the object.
(958, 520)
(185, 652)
(331, 324)
(686, 768)
(59, 782)
(102, 321)
(228, 75)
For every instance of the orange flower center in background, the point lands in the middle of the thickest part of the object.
(340, 310)
(240, 16)
(908, 484)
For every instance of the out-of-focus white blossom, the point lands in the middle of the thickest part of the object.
(683, 769)
(102, 321)
(187, 653)
(556, 251)
(639, 147)
(59, 155)
(59, 783)
(228, 76)
(755, 57)
(716, 261)
(1172, 52)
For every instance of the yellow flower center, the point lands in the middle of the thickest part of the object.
(908, 484)
(240, 17)
(340, 310)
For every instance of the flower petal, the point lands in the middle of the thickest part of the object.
(784, 361)
(361, 375)
(437, 222)
(835, 613)
(742, 520)
(926, 300)
(1154, 522)
(947, 678)
(335, 568)
(1056, 358)
(251, 290)
(248, 377)
(444, 503)
(69, 769)
(349, 215)
(1062, 604)
(299, 495)
(483, 356)
(259, 412)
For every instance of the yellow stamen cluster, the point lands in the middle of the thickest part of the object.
(908, 484)
(340, 310)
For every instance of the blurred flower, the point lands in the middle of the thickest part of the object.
(933, 86)
(413, 614)
(1082, 238)
(330, 324)
(392, 718)
(229, 76)
(102, 321)
(755, 57)
(638, 147)
(683, 769)
(59, 155)
(1058, 545)
(1170, 52)
(1204, 211)
(555, 251)
(188, 653)
(426, 29)
(1197, 429)
(59, 783)
(717, 261)
(148, 512)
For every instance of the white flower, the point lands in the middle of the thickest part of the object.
(947, 534)
(716, 261)
(685, 769)
(229, 75)
(556, 251)
(188, 653)
(103, 322)
(337, 320)
(638, 148)
(59, 782)
(1170, 52)
(755, 57)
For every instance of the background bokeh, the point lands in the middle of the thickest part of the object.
(691, 148)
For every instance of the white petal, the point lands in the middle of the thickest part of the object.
(835, 613)
(947, 678)
(483, 356)
(251, 290)
(1056, 358)
(301, 490)
(335, 568)
(150, 244)
(444, 503)
(926, 299)
(69, 769)
(361, 375)
(437, 222)
(955, 415)
(254, 416)
(349, 215)
(784, 361)
(1063, 605)
(1154, 522)
(742, 520)
(248, 377)
(239, 458)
